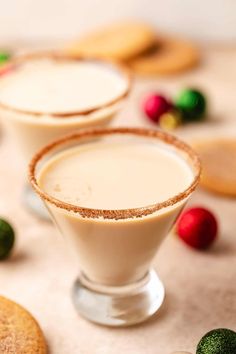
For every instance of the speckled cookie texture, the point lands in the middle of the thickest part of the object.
(19, 331)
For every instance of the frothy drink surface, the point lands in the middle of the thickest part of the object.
(111, 175)
(115, 176)
(45, 85)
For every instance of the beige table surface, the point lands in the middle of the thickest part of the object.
(200, 286)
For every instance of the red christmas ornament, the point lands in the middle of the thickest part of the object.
(197, 227)
(155, 105)
(5, 69)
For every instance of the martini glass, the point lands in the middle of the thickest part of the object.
(117, 285)
(33, 114)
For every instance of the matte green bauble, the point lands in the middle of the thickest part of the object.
(192, 104)
(7, 238)
(218, 341)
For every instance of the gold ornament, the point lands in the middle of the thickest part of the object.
(170, 120)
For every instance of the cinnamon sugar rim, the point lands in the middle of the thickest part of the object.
(119, 213)
(56, 56)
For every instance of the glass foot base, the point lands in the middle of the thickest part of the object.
(34, 204)
(118, 306)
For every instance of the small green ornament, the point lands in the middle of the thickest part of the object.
(4, 57)
(192, 105)
(218, 341)
(7, 238)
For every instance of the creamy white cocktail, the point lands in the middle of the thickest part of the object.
(115, 194)
(115, 176)
(45, 96)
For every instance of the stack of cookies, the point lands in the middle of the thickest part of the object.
(138, 45)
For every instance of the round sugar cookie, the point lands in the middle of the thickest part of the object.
(168, 56)
(218, 157)
(119, 42)
(19, 331)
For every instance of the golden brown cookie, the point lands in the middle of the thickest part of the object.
(119, 42)
(218, 158)
(19, 331)
(168, 56)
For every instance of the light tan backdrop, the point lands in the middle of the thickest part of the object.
(204, 20)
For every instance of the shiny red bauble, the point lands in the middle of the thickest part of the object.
(197, 227)
(155, 105)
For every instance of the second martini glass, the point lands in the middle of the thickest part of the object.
(46, 95)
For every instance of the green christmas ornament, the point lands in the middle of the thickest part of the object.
(192, 105)
(218, 341)
(7, 238)
(4, 57)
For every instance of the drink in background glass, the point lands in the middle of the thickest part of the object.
(115, 194)
(44, 96)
